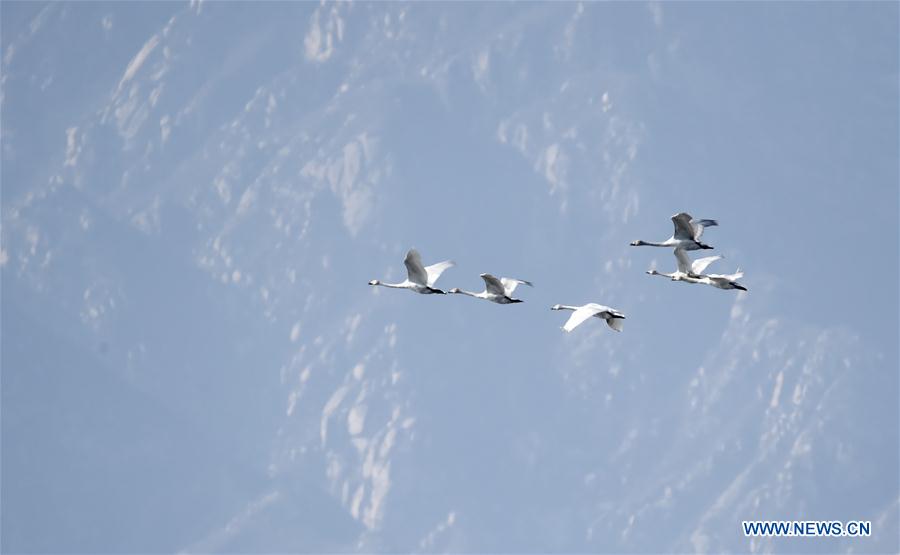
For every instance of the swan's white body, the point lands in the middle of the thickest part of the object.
(496, 290)
(612, 316)
(692, 272)
(687, 234)
(419, 278)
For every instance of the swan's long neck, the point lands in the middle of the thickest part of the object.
(403, 285)
(662, 274)
(469, 293)
(652, 244)
(567, 307)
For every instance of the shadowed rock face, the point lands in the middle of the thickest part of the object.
(194, 198)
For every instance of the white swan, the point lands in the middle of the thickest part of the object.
(419, 278)
(496, 290)
(692, 272)
(687, 234)
(612, 316)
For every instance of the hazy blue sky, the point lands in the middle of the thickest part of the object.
(195, 195)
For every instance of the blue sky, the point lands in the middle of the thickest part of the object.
(195, 195)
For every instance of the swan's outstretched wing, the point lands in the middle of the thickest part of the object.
(684, 261)
(701, 264)
(686, 228)
(414, 269)
(493, 285)
(699, 225)
(683, 229)
(510, 284)
(582, 314)
(435, 270)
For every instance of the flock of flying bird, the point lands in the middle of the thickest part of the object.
(688, 231)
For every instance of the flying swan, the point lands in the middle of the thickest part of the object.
(687, 234)
(612, 316)
(692, 272)
(419, 278)
(496, 290)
